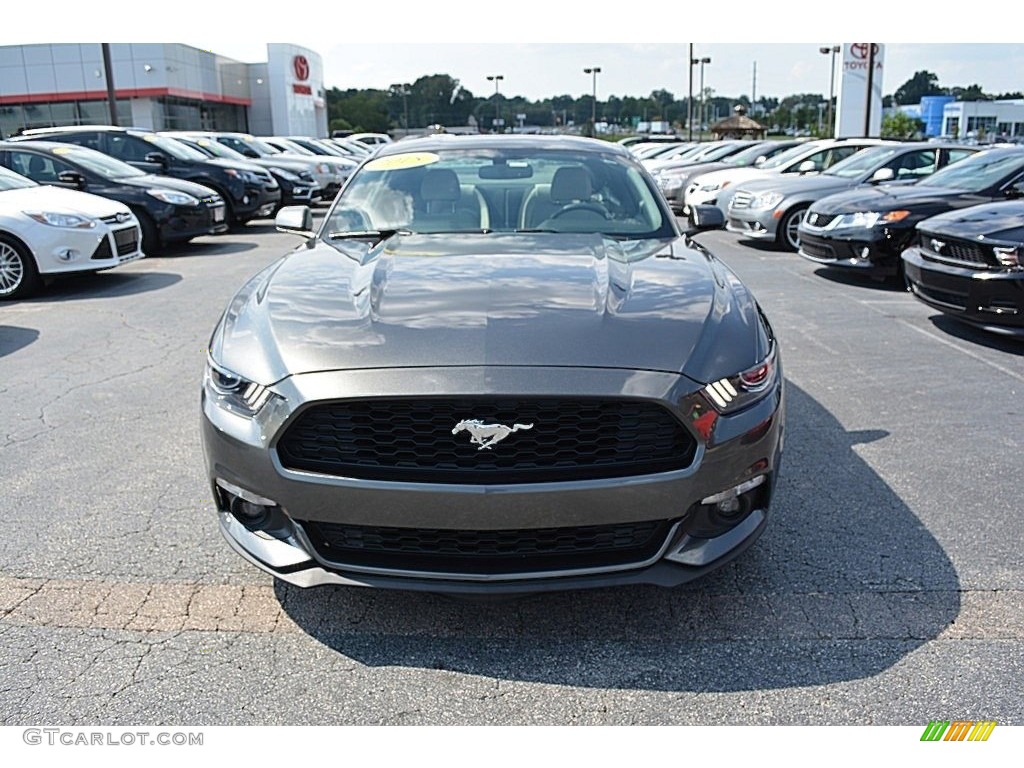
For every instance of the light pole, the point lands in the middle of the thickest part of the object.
(403, 90)
(497, 104)
(689, 101)
(834, 49)
(593, 106)
(703, 96)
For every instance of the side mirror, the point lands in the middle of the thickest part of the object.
(295, 219)
(250, 152)
(72, 179)
(1015, 190)
(882, 174)
(159, 158)
(807, 166)
(706, 217)
(760, 161)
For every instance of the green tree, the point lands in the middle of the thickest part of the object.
(923, 83)
(899, 125)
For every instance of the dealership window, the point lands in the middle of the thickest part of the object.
(981, 124)
(16, 117)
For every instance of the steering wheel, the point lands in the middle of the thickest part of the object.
(595, 208)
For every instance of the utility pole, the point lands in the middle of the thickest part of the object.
(497, 99)
(753, 89)
(833, 50)
(689, 101)
(593, 106)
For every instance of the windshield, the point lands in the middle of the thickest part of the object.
(749, 155)
(291, 146)
(217, 149)
(175, 148)
(717, 153)
(500, 190)
(12, 180)
(261, 146)
(791, 154)
(863, 162)
(100, 164)
(976, 173)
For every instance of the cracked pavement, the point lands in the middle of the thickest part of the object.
(887, 588)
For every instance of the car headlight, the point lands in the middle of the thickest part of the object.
(66, 220)
(766, 200)
(307, 176)
(1009, 256)
(868, 219)
(173, 198)
(287, 175)
(713, 187)
(323, 168)
(734, 393)
(233, 392)
(247, 176)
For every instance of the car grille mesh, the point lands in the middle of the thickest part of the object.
(411, 440)
(127, 240)
(488, 552)
(959, 252)
(819, 219)
(816, 249)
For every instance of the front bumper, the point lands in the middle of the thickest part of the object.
(872, 251)
(61, 250)
(183, 222)
(258, 201)
(757, 223)
(992, 299)
(240, 453)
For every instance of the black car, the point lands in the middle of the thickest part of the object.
(866, 229)
(970, 265)
(249, 191)
(169, 210)
(298, 187)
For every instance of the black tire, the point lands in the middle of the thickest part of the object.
(151, 243)
(786, 238)
(19, 274)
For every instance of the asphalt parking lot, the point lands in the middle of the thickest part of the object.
(887, 589)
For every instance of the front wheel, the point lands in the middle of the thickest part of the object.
(788, 235)
(19, 275)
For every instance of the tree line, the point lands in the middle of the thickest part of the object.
(442, 99)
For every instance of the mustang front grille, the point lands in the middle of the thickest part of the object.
(965, 254)
(488, 552)
(417, 440)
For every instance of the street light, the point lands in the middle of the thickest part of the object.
(703, 97)
(834, 49)
(497, 108)
(593, 107)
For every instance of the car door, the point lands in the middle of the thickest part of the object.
(134, 151)
(915, 165)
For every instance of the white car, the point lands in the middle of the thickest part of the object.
(48, 230)
(716, 187)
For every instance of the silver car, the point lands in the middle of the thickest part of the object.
(772, 208)
(498, 366)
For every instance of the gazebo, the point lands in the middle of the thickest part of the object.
(738, 126)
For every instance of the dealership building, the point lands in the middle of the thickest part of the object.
(162, 86)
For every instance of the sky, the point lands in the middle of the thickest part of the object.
(540, 47)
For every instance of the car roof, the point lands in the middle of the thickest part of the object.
(77, 128)
(506, 141)
(46, 146)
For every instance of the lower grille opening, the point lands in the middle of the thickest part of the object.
(533, 550)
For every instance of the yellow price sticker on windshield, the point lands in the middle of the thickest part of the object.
(61, 150)
(397, 162)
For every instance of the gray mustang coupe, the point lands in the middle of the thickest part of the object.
(498, 365)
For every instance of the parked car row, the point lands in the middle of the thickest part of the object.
(89, 198)
(947, 219)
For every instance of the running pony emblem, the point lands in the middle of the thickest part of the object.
(486, 435)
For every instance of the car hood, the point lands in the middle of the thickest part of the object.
(235, 165)
(816, 185)
(58, 200)
(732, 175)
(997, 221)
(496, 300)
(151, 180)
(292, 163)
(887, 198)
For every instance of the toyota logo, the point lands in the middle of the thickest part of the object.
(860, 50)
(301, 66)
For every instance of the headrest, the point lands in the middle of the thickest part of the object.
(440, 185)
(570, 185)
